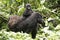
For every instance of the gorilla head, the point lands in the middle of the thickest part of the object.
(28, 6)
(28, 10)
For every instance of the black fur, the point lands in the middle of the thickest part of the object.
(28, 10)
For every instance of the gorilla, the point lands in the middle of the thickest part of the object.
(29, 25)
(28, 10)
(27, 22)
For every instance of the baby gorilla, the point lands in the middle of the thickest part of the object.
(28, 10)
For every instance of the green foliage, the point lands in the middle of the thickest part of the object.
(46, 34)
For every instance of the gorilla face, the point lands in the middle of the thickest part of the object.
(28, 6)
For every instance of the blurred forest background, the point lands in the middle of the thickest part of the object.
(50, 9)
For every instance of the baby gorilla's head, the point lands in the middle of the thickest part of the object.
(28, 6)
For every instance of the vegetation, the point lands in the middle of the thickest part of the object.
(50, 9)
